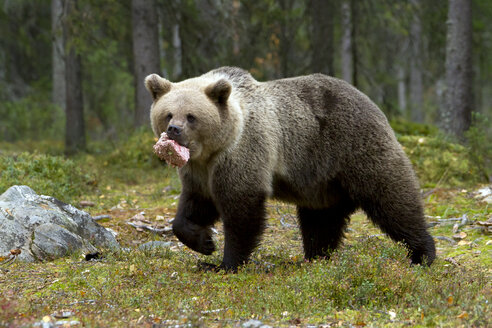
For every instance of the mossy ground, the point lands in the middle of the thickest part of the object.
(367, 282)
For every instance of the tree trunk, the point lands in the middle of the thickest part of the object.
(145, 54)
(74, 126)
(346, 42)
(58, 66)
(177, 68)
(322, 15)
(416, 87)
(286, 38)
(402, 90)
(354, 14)
(456, 116)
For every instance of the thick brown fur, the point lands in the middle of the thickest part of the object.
(314, 141)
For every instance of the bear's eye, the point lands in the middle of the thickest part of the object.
(169, 116)
(190, 118)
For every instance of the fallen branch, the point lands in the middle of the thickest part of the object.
(150, 228)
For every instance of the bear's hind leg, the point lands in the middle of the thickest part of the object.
(404, 221)
(323, 229)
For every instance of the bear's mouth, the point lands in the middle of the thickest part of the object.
(179, 140)
(183, 144)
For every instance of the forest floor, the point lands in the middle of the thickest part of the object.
(367, 282)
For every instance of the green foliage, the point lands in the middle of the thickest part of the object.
(439, 162)
(480, 145)
(135, 152)
(108, 92)
(49, 175)
(404, 127)
(31, 118)
(25, 56)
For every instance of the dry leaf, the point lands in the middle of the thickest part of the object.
(487, 223)
(463, 315)
(140, 217)
(459, 236)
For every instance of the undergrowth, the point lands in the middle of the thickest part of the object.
(368, 282)
(480, 145)
(440, 163)
(49, 175)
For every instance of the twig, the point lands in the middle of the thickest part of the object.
(151, 229)
(428, 193)
(452, 261)
(446, 239)
(12, 256)
(101, 217)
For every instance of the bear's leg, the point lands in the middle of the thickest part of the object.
(403, 221)
(244, 222)
(323, 229)
(194, 219)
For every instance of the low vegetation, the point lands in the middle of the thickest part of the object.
(368, 282)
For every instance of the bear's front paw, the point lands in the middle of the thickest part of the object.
(196, 237)
(205, 266)
(206, 245)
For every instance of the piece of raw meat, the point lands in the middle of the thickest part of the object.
(170, 151)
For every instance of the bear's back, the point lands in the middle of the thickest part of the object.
(328, 129)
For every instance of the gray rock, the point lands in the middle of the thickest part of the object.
(45, 228)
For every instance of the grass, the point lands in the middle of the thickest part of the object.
(368, 282)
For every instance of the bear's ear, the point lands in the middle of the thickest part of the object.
(219, 91)
(157, 86)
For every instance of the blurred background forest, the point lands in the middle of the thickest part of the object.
(71, 71)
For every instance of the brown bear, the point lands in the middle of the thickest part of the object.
(314, 141)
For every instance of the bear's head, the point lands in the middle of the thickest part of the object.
(197, 113)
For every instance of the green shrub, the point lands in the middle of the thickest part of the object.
(49, 175)
(403, 127)
(439, 162)
(135, 152)
(480, 146)
(31, 118)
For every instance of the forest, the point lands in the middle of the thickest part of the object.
(75, 125)
(394, 51)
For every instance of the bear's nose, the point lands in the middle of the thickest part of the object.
(174, 131)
